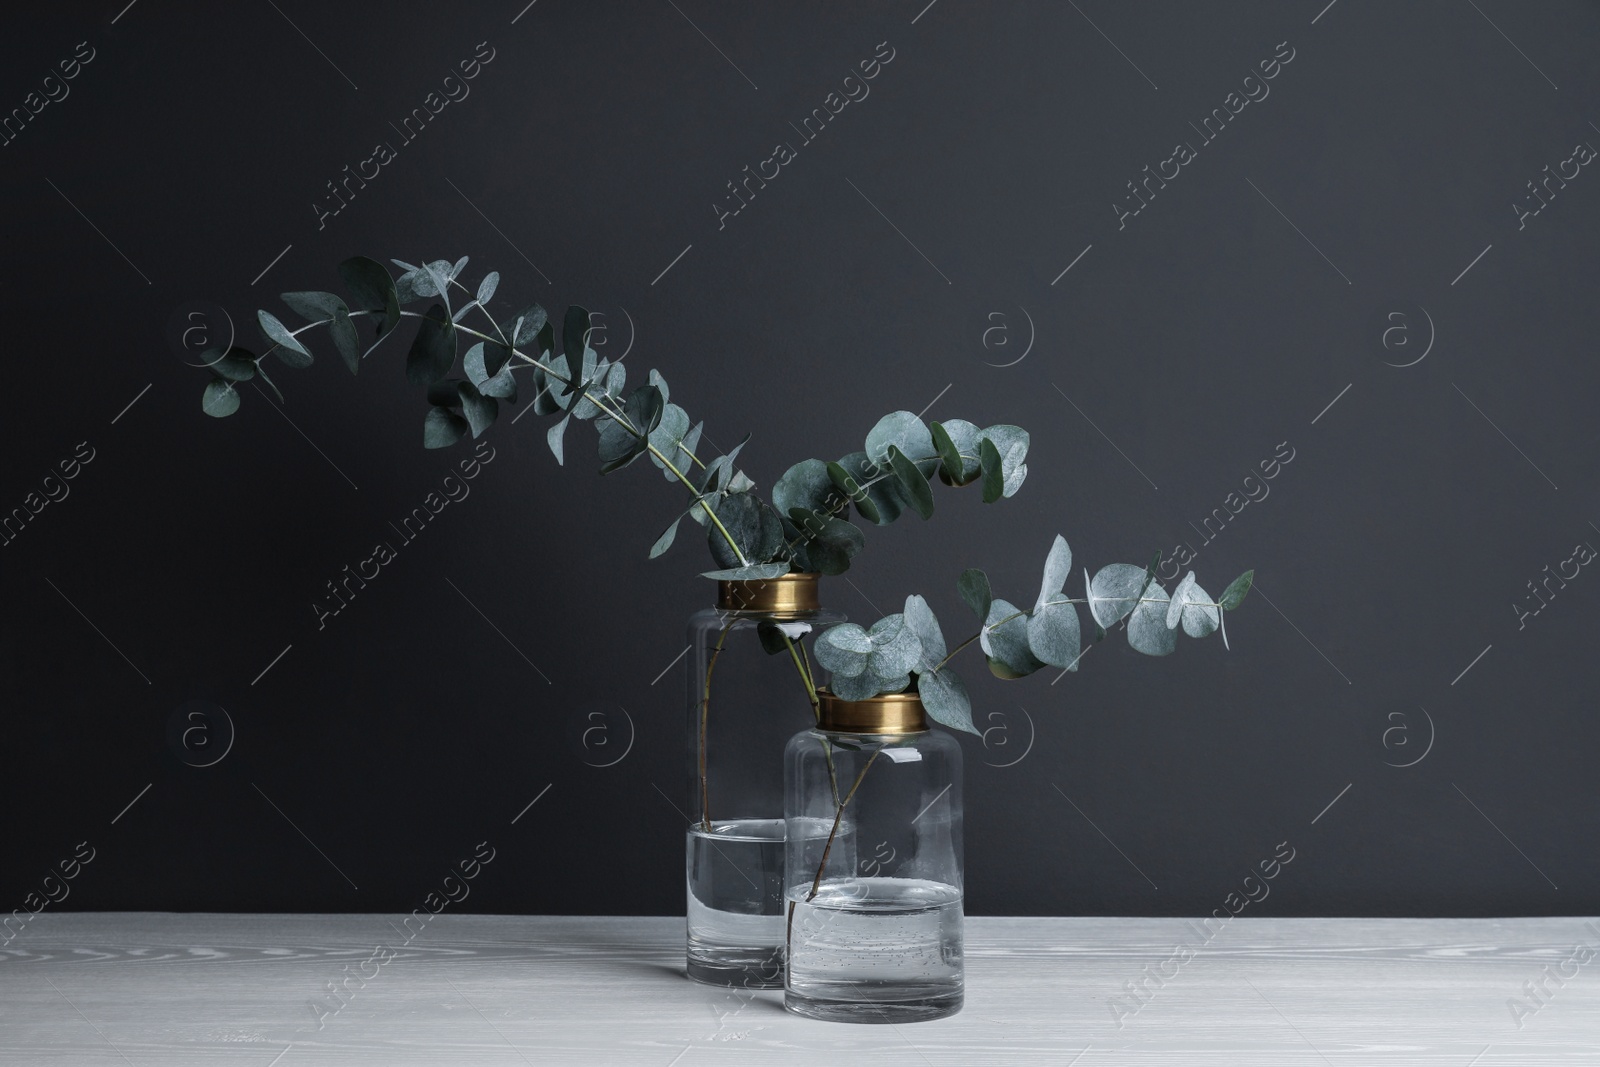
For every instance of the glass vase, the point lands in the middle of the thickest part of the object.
(748, 660)
(875, 903)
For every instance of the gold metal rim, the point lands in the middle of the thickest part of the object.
(891, 713)
(786, 596)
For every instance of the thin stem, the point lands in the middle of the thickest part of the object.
(838, 817)
(804, 667)
(788, 936)
(705, 711)
(617, 416)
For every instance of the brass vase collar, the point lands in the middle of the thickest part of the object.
(891, 713)
(787, 596)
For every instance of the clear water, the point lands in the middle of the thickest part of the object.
(875, 950)
(735, 875)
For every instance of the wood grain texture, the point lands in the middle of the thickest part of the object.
(157, 989)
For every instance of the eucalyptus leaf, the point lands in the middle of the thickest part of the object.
(973, 585)
(1057, 569)
(913, 483)
(908, 433)
(843, 650)
(433, 351)
(1054, 636)
(896, 650)
(1013, 470)
(220, 398)
(442, 428)
(1005, 637)
(668, 433)
(555, 437)
(1235, 593)
(881, 487)
(346, 339)
(372, 289)
(524, 327)
(944, 695)
(964, 436)
(950, 463)
(1147, 626)
(664, 542)
(236, 364)
(486, 288)
(804, 485)
(846, 483)
(480, 410)
(1113, 592)
(752, 524)
(290, 350)
(994, 478)
(1192, 605)
(314, 306)
(830, 542)
(922, 622)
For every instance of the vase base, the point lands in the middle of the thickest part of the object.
(867, 1011)
(738, 972)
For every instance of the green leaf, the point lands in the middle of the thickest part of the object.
(882, 488)
(372, 289)
(289, 349)
(902, 430)
(994, 478)
(1192, 606)
(346, 339)
(220, 398)
(921, 620)
(1005, 637)
(963, 436)
(1014, 470)
(950, 463)
(555, 437)
(486, 288)
(912, 482)
(830, 542)
(868, 684)
(752, 524)
(1011, 444)
(845, 482)
(896, 650)
(973, 585)
(669, 432)
(619, 445)
(480, 410)
(1233, 596)
(442, 428)
(575, 334)
(236, 364)
(804, 485)
(525, 326)
(1147, 626)
(843, 649)
(1113, 592)
(664, 542)
(754, 572)
(1053, 635)
(1057, 569)
(313, 306)
(944, 695)
(433, 351)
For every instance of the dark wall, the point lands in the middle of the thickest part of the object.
(1341, 279)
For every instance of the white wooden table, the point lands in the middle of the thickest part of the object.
(158, 989)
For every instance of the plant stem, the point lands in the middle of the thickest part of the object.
(838, 817)
(617, 416)
(705, 711)
(804, 667)
(816, 883)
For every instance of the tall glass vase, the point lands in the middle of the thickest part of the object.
(875, 906)
(748, 663)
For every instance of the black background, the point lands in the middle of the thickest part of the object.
(1192, 342)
